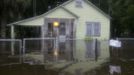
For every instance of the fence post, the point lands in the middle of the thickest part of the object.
(12, 47)
(12, 42)
(20, 54)
(96, 49)
(23, 46)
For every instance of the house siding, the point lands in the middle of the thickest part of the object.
(89, 14)
(59, 13)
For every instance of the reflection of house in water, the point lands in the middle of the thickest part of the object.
(114, 69)
(63, 51)
(72, 55)
(93, 49)
(88, 56)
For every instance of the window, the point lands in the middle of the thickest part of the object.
(78, 3)
(93, 29)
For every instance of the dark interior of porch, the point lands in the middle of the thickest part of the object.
(27, 32)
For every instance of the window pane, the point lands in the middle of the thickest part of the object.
(78, 3)
(96, 29)
(89, 29)
(93, 29)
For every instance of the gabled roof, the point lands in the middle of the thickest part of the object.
(97, 9)
(61, 6)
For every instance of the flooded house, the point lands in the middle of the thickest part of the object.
(66, 40)
(73, 40)
(74, 19)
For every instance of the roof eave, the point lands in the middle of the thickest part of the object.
(62, 6)
(98, 9)
(15, 23)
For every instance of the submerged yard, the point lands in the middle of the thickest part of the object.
(70, 57)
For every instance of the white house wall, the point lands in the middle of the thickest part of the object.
(59, 13)
(88, 13)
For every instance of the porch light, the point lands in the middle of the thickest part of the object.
(55, 24)
(56, 52)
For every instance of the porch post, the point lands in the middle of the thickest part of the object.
(42, 31)
(75, 24)
(42, 37)
(75, 28)
(12, 41)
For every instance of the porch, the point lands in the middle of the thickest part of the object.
(66, 29)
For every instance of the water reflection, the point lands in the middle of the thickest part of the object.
(7, 56)
(70, 57)
(114, 69)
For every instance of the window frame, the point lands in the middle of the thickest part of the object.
(93, 31)
(78, 3)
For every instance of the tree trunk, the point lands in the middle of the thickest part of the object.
(3, 28)
(3, 35)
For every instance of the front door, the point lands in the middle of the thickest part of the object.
(62, 30)
(59, 31)
(50, 31)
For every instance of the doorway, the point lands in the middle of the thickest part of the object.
(62, 31)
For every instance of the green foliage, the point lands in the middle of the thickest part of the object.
(88, 38)
(121, 11)
(11, 10)
(122, 17)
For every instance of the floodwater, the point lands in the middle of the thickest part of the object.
(71, 57)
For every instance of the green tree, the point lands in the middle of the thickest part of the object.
(11, 10)
(122, 17)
